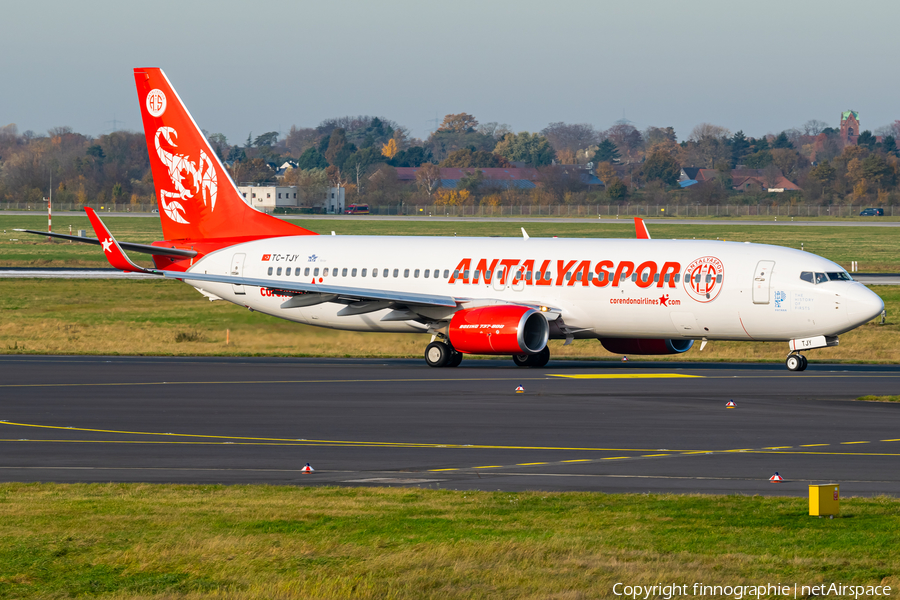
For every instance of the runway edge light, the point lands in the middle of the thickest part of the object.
(307, 469)
(730, 404)
(520, 389)
(776, 478)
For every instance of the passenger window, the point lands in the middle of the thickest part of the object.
(278, 271)
(316, 272)
(385, 274)
(666, 278)
(500, 274)
(578, 276)
(396, 272)
(528, 276)
(590, 276)
(456, 274)
(406, 272)
(374, 272)
(363, 274)
(718, 279)
(344, 273)
(270, 270)
(634, 276)
(353, 273)
(305, 272)
(466, 274)
(548, 275)
(287, 271)
(446, 273)
(416, 273)
(677, 277)
(426, 273)
(656, 278)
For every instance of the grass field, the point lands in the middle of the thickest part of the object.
(154, 317)
(152, 541)
(873, 247)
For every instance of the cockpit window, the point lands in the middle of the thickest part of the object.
(823, 277)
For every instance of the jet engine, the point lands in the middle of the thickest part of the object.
(637, 346)
(503, 329)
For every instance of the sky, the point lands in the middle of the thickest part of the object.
(242, 68)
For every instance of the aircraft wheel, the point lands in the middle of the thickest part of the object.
(541, 358)
(521, 360)
(794, 362)
(456, 359)
(438, 354)
(804, 361)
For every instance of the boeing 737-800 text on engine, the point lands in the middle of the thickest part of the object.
(475, 295)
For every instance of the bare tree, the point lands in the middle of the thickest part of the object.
(570, 137)
(813, 127)
(705, 131)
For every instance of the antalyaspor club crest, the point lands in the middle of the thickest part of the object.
(703, 278)
(156, 103)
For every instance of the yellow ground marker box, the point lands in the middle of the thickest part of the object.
(824, 499)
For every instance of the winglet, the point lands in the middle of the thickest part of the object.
(640, 229)
(111, 248)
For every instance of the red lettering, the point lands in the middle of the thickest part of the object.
(584, 267)
(544, 280)
(459, 273)
(650, 268)
(509, 263)
(486, 272)
(527, 266)
(626, 268)
(669, 268)
(602, 279)
(563, 270)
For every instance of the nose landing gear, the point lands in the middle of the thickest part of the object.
(796, 362)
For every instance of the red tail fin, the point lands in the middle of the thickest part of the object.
(197, 199)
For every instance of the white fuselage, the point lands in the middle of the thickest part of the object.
(683, 289)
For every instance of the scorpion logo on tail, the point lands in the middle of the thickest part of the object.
(202, 177)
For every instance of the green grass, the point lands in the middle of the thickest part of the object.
(879, 398)
(872, 247)
(166, 541)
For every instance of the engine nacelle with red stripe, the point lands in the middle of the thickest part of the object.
(504, 329)
(635, 346)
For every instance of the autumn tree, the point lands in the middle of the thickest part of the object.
(428, 178)
(460, 123)
(661, 166)
(299, 139)
(390, 149)
(529, 148)
(468, 158)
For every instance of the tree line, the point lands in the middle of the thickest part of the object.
(362, 153)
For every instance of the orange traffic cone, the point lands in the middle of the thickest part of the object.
(776, 478)
(730, 404)
(307, 469)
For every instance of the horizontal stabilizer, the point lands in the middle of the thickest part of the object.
(131, 247)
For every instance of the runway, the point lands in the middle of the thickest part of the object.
(606, 427)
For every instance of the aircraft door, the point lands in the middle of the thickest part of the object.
(500, 279)
(518, 282)
(762, 279)
(237, 270)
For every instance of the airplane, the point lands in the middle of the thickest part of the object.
(494, 296)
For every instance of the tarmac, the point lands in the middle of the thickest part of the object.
(588, 426)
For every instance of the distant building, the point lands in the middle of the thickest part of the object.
(267, 198)
(850, 127)
(742, 180)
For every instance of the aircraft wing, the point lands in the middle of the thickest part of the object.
(143, 248)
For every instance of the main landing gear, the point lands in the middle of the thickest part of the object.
(796, 362)
(440, 354)
(532, 360)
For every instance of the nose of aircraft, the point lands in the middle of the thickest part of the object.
(863, 304)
